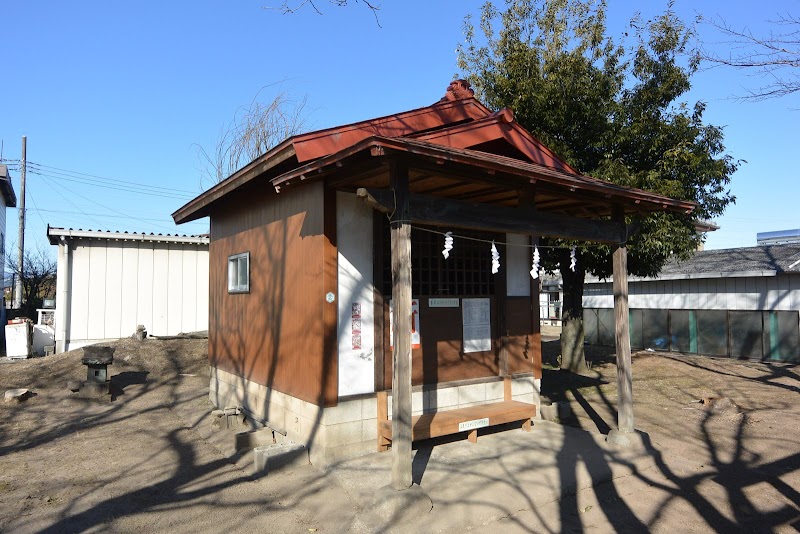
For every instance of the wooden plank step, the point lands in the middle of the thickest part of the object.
(444, 423)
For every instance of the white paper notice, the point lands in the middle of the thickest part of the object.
(476, 316)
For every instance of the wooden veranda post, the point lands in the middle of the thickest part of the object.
(622, 332)
(401, 361)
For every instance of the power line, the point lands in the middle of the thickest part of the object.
(115, 211)
(106, 179)
(113, 216)
(106, 186)
(70, 202)
(36, 207)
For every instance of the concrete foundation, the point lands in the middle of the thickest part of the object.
(350, 428)
(280, 456)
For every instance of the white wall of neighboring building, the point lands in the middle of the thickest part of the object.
(768, 292)
(106, 287)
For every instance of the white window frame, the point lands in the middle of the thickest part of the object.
(235, 285)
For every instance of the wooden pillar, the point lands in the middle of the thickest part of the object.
(401, 361)
(622, 333)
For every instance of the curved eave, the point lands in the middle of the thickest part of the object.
(634, 200)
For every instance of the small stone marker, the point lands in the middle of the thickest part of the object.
(18, 395)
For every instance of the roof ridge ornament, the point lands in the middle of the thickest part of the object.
(457, 90)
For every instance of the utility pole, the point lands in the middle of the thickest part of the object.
(21, 239)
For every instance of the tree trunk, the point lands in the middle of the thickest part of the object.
(572, 356)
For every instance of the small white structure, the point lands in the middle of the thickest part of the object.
(110, 282)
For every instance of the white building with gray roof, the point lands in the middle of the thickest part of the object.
(739, 302)
(108, 283)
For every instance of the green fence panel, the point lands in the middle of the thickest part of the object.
(747, 331)
(655, 329)
(712, 332)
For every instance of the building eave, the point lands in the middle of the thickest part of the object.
(55, 235)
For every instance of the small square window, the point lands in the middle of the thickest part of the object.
(239, 273)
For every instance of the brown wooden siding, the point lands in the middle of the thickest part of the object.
(274, 335)
(441, 359)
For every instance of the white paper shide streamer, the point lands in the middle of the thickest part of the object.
(535, 264)
(448, 244)
(573, 259)
(495, 259)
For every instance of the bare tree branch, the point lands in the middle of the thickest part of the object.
(38, 277)
(289, 7)
(252, 132)
(775, 56)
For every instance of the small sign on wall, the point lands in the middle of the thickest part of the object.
(443, 303)
(415, 339)
(477, 329)
(355, 328)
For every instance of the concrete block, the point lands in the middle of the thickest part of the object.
(343, 433)
(314, 412)
(345, 412)
(293, 405)
(276, 416)
(528, 397)
(310, 430)
(253, 388)
(245, 441)
(279, 457)
(523, 385)
(369, 429)
(437, 399)
(417, 402)
(293, 426)
(549, 412)
(495, 391)
(369, 408)
(276, 397)
(471, 394)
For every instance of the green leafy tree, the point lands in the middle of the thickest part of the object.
(611, 110)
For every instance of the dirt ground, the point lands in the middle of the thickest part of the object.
(147, 461)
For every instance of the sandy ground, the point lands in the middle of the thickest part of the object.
(149, 461)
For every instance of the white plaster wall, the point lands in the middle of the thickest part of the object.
(518, 265)
(781, 292)
(116, 285)
(355, 285)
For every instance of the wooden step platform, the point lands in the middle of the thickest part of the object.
(448, 422)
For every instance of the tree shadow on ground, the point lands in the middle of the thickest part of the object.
(733, 464)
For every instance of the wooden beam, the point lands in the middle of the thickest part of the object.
(621, 330)
(401, 297)
(446, 212)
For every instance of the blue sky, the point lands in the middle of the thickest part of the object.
(127, 91)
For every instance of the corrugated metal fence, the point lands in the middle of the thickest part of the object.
(751, 335)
